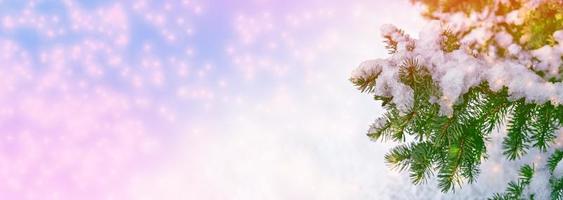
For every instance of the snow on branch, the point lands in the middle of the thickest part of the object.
(457, 71)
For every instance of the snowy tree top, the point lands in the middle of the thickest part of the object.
(483, 52)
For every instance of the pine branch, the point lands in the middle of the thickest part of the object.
(464, 144)
(515, 189)
(365, 84)
(399, 157)
(556, 188)
(450, 42)
(382, 129)
(544, 127)
(458, 142)
(392, 41)
(556, 183)
(454, 146)
(419, 79)
(449, 176)
(422, 162)
(417, 157)
(554, 159)
(497, 109)
(516, 142)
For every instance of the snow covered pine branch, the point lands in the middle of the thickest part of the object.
(478, 68)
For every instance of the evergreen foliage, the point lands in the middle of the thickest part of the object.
(516, 188)
(453, 147)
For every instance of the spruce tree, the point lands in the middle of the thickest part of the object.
(476, 68)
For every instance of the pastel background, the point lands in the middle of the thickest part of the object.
(210, 99)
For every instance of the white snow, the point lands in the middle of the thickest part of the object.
(367, 68)
(558, 36)
(387, 29)
(515, 18)
(479, 35)
(503, 39)
(550, 58)
(388, 84)
(456, 72)
(558, 172)
(514, 49)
